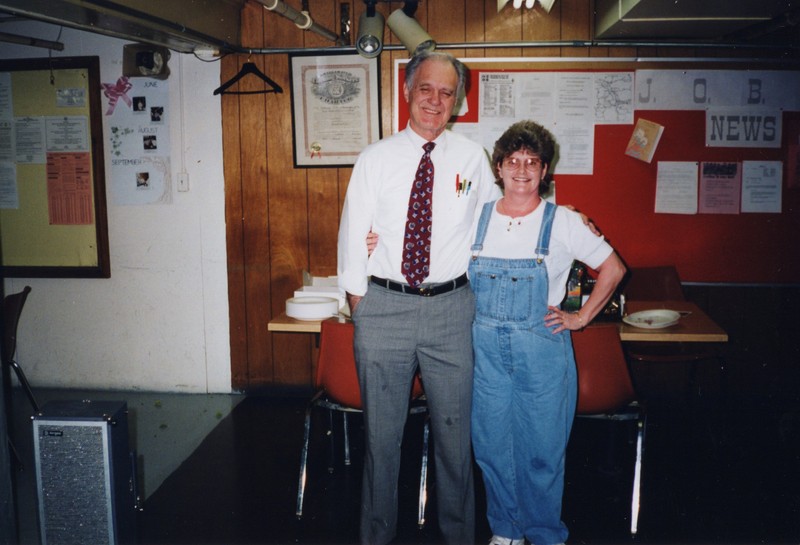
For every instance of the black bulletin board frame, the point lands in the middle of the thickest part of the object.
(102, 269)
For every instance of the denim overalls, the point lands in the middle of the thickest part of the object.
(524, 391)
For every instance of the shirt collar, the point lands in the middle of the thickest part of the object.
(418, 141)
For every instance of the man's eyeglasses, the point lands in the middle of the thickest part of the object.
(530, 163)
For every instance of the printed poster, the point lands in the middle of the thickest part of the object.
(720, 187)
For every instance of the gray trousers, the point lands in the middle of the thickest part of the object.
(394, 334)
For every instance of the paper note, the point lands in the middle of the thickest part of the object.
(761, 186)
(676, 187)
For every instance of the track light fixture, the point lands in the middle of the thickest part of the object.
(369, 42)
(409, 31)
(547, 5)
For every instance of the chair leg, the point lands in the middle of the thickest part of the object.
(331, 449)
(641, 423)
(23, 380)
(16, 456)
(423, 475)
(301, 481)
(346, 439)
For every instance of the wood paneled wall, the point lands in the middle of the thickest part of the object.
(282, 220)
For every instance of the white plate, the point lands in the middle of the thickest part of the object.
(311, 308)
(652, 319)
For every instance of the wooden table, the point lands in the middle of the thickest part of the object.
(696, 326)
(285, 324)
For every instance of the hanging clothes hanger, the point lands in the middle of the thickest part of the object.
(248, 68)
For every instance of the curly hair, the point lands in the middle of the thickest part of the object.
(529, 136)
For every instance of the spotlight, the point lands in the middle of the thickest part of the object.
(546, 5)
(409, 31)
(370, 33)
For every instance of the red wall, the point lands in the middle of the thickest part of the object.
(620, 198)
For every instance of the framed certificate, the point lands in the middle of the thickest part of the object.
(335, 108)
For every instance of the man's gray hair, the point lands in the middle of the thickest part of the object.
(417, 60)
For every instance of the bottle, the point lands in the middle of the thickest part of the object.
(572, 301)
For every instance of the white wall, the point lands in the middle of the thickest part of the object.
(160, 323)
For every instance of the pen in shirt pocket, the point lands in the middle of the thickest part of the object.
(462, 186)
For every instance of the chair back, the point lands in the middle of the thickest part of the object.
(336, 367)
(604, 382)
(12, 309)
(654, 284)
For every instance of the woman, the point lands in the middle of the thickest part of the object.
(525, 384)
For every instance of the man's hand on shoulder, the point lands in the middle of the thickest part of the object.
(586, 221)
(372, 242)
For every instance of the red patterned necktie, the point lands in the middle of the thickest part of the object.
(417, 240)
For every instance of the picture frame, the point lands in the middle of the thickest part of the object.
(335, 108)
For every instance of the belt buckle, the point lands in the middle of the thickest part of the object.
(425, 292)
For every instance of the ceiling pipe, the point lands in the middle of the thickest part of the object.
(35, 42)
(523, 44)
(301, 19)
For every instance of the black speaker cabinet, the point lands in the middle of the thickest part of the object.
(85, 473)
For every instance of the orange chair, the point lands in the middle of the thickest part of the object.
(654, 284)
(338, 391)
(605, 391)
(12, 309)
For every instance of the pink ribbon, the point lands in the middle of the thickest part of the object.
(117, 91)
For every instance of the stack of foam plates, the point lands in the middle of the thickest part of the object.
(311, 308)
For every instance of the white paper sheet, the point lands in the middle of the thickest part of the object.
(761, 186)
(676, 187)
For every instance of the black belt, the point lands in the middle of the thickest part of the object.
(427, 291)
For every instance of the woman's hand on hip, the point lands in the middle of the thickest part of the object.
(562, 320)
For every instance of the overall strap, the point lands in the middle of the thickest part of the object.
(483, 224)
(543, 246)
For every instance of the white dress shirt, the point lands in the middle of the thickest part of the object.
(377, 200)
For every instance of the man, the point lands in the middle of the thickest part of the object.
(425, 322)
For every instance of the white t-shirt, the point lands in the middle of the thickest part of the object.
(570, 239)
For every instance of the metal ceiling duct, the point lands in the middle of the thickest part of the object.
(180, 25)
(689, 20)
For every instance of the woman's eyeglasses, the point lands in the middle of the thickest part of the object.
(530, 163)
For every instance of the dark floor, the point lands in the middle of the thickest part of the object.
(728, 475)
(721, 461)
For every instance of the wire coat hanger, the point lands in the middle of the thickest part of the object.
(248, 68)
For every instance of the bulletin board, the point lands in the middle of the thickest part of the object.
(619, 192)
(52, 187)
